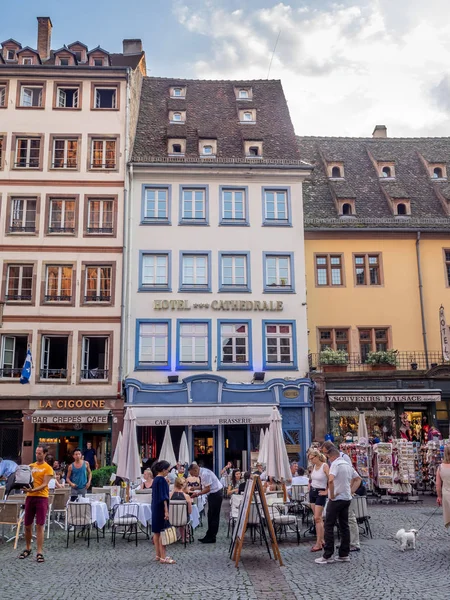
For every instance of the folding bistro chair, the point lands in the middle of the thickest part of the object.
(59, 506)
(126, 516)
(359, 505)
(11, 514)
(79, 516)
(235, 503)
(284, 522)
(179, 517)
(2, 493)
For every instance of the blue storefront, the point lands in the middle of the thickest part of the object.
(222, 420)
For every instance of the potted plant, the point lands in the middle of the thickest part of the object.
(333, 360)
(382, 360)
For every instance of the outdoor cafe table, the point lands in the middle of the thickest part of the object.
(115, 500)
(99, 512)
(145, 514)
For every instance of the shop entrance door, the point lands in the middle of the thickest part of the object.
(204, 445)
(61, 445)
(235, 443)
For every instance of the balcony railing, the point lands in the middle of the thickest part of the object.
(97, 298)
(22, 229)
(18, 297)
(94, 374)
(406, 361)
(61, 229)
(99, 230)
(10, 373)
(53, 373)
(52, 298)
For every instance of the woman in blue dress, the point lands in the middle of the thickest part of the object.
(160, 508)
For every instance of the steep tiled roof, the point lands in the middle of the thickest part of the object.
(373, 210)
(213, 111)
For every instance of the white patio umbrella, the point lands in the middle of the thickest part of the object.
(264, 451)
(261, 445)
(183, 456)
(129, 463)
(167, 452)
(115, 459)
(363, 434)
(278, 465)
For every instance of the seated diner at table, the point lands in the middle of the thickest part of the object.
(147, 481)
(236, 480)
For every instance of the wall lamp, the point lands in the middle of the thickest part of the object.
(258, 376)
(172, 378)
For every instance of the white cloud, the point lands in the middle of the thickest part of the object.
(344, 68)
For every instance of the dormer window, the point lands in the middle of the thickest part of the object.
(177, 116)
(64, 62)
(401, 207)
(243, 93)
(386, 170)
(98, 62)
(438, 171)
(207, 148)
(27, 60)
(178, 92)
(335, 170)
(176, 147)
(10, 55)
(247, 116)
(347, 209)
(253, 149)
(78, 56)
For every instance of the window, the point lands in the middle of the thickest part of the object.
(208, 150)
(153, 339)
(2, 142)
(386, 172)
(14, 351)
(31, 96)
(447, 265)
(336, 339)
(177, 92)
(194, 345)
(253, 151)
(65, 153)
(94, 357)
(98, 62)
(336, 172)
(195, 272)
(67, 97)
(367, 269)
(64, 62)
(98, 283)
(401, 209)
(105, 97)
(100, 215)
(19, 283)
(58, 283)
(243, 94)
(234, 349)
(194, 205)
(437, 173)
(279, 344)
(23, 215)
(234, 206)
(178, 117)
(103, 154)
(329, 270)
(27, 60)
(2, 95)
(78, 55)
(28, 153)
(156, 205)
(276, 207)
(176, 148)
(207, 147)
(372, 340)
(347, 209)
(278, 272)
(61, 217)
(10, 55)
(234, 274)
(155, 271)
(54, 354)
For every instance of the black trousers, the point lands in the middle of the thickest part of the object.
(337, 510)
(214, 506)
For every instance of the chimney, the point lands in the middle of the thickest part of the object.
(132, 46)
(44, 37)
(380, 131)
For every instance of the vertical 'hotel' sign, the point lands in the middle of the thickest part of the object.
(444, 335)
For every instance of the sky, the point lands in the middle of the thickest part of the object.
(345, 66)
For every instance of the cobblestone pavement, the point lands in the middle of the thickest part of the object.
(204, 572)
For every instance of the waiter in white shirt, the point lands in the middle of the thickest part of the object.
(212, 488)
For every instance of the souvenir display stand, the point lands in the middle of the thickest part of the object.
(361, 455)
(383, 468)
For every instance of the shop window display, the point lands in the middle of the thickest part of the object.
(380, 424)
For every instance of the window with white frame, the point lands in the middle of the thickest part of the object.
(276, 208)
(23, 215)
(153, 344)
(2, 94)
(13, 354)
(98, 283)
(234, 344)
(31, 96)
(243, 94)
(94, 357)
(61, 216)
(278, 272)
(103, 154)
(105, 97)
(234, 205)
(68, 97)
(193, 205)
(194, 271)
(65, 153)
(100, 215)
(156, 204)
(155, 271)
(58, 283)
(10, 55)
(28, 152)
(234, 271)
(193, 344)
(27, 60)
(19, 283)
(279, 344)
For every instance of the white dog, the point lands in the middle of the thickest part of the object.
(406, 538)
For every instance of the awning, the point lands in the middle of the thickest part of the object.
(56, 417)
(220, 414)
(405, 396)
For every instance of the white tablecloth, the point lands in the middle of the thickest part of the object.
(145, 513)
(115, 500)
(195, 516)
(99, 513)
(200, 501)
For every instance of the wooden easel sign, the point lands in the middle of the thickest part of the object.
(254, 502)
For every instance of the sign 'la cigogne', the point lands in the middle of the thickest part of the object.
(261, 305)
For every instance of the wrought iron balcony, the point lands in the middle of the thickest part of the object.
(10, 373)
(61, 229)
(94, 374)
(52, 298)
(100, 298)
(406, 361)
(22, 229)
(53, 373)
(99, 230)
(18, 297)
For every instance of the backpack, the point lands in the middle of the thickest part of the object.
(23, 476)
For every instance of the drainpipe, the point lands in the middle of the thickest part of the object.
(422, 306)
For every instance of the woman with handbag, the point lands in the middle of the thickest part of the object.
(160, 509)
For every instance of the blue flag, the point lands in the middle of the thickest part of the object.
(26, 369)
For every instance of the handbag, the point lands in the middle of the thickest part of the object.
(169, 534)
